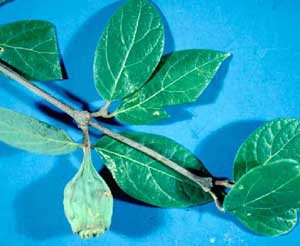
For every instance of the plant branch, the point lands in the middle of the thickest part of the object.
(86, 137)
(36, 90)
(204, 182)
(83, 118)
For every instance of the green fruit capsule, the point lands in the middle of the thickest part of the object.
(88, 202)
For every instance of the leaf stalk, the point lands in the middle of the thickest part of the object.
(103, 112)
(225, 183)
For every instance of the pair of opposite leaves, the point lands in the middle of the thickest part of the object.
(267, 170)
(181, 77)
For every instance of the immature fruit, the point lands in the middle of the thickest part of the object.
(88, 201)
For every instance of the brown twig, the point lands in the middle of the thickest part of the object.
(83, 118)
(38, 91)
(204, 182)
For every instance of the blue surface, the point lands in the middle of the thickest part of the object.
(261, 82)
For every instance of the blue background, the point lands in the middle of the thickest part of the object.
(259, 83)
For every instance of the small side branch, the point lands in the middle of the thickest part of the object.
(103, 112)
(225, 183)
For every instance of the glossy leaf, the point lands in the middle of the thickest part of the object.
(276, 140)
(30, 134)
(268, 224)
(88, 201)
(181, 78)
(148, 180)
(30, 47)
(266, 191)
(129, 50)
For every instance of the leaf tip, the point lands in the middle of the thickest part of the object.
(227, 55)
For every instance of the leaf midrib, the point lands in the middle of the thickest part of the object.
(271, 192)
(281, 148)
(24, 31)
(35, 136)
(145, 166)
(28, 49)
(117, 80)
(165, 87)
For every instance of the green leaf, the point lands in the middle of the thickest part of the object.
(267, 191)
(4, 1)
(30, 47)
(88, 202)
(275, 186)
(30, 134)
(276, 140)
(129, 50)
(181, 78)
(148, 180)
(268, 225)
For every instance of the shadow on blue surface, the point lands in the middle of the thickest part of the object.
(6, 150)
(143, 218)
(211, 209)
(39, 212)
(211, 93)
(218, 150)
(15, 89)
(135, 220)
(81, 49)
(116, 190)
